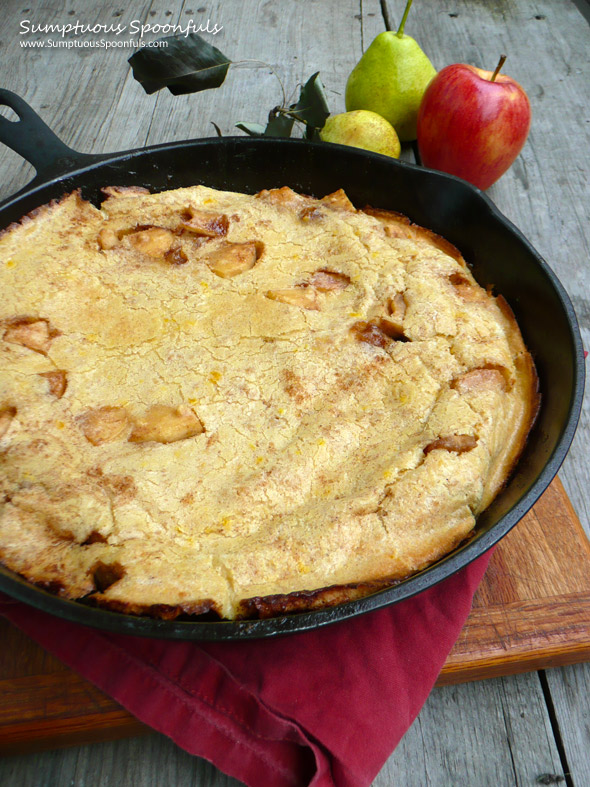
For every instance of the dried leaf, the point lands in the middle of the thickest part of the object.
(312, 107)
(188, 64)
(279, 124)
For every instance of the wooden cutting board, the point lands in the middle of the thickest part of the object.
(532, 611)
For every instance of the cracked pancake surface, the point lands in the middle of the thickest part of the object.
(246, 405)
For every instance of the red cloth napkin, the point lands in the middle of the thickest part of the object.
(323, 708)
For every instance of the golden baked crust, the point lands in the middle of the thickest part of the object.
(247, 405)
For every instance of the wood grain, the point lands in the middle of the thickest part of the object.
(490, 715)
(147, 761)
(531, 611)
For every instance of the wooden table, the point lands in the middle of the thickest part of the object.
(526, 729)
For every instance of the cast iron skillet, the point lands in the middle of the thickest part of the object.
(498, 252)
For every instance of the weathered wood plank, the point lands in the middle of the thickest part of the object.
(72, 89)
(292, 38)
(495, 732)
(571, 702)
(51, 733)
(153, 761)
(107, 96)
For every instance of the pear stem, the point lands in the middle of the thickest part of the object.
(402, 24)
(498, 67)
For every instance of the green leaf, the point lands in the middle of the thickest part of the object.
(312, 107)
(253, 129)
(188, 64)
(279, 124)
(217, 129)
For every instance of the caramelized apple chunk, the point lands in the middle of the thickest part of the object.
(104, 424)
(311, 213)
(467, 289)
(153, 242)
(457, 443)
(304, 297)
(165, 424)
(202, 222)
(175, 256)
(58, 381)
(31, 332)
(325, 280)
(231, 259)
(393, 325)
(284, 197)
(7, 413)
(378, 332)
(483, 378)
(458, 279)
(370, 333)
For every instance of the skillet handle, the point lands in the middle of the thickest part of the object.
(32, 139)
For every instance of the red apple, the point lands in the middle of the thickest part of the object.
(473, 123)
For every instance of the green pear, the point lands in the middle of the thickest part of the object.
(362, 129)
(390, 79)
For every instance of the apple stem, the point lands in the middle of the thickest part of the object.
(498, 67)
(402, 24)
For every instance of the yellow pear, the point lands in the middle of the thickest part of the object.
(390, 79)
(362, 129)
